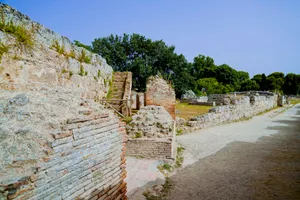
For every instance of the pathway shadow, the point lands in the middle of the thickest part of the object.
(266, 169)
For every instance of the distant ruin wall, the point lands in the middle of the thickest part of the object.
(160, 93)
(51, 61)
(57, 146)
(241, 107)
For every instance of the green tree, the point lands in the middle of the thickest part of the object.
(258, 79)
(248, 85)
(291, 84)
(79, 44)
(144, 57)
(242, 76)
(263, 84)
(275, 81)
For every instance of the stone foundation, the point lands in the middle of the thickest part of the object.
(151, 148)
(151, 134)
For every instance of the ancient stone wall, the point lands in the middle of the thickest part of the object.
(134, 100)
(151, 134)
(242, 107)
(59, 146)
(50, 61)
(217, 98)
(54, 142)
(160, 93)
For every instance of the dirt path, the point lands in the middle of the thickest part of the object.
(235, 165)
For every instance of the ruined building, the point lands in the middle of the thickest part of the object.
(56, 142)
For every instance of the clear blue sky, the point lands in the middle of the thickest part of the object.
(258, 36)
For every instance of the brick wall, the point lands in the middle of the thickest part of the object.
(80, 153)
(151, 148)
(160, 93)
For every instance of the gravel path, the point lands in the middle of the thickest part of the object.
(254, 159)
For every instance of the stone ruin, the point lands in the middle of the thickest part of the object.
(231, 108)
(53, 61)
(160, 93)
(151, 134)
(58, 146)
(56, 142)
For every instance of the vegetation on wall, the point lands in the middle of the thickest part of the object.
(83, 57)
(3, 49)
(23, 36)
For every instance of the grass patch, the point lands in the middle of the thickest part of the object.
(138, 135)
(166, 168)
(16, 57)
(163, 168)
(22, 35)
(179, 131)
(70, 74)
(3, 49)
(82, 72)
(58, 48)
(186, 111)
(71, 54)
(127, 120)
(294, 101)
(179, 157)
(83, 57)
(63, 71)
(109, 93)
(161, 195)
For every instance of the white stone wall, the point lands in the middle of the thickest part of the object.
(242, 109)
(151, 134)
(32, 69)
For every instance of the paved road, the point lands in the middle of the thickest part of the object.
(254, 159)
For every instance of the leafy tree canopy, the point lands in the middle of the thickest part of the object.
(145, 57)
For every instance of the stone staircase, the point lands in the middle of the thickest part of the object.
(120, 90)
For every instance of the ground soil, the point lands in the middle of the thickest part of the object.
(266, 169)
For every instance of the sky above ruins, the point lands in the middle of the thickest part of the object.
(254, 36)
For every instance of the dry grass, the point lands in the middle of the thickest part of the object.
(186, 111)
(295, 101)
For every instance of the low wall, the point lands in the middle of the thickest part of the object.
(58, 146)
(151, 134)
(242, 108)
(151, 148)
